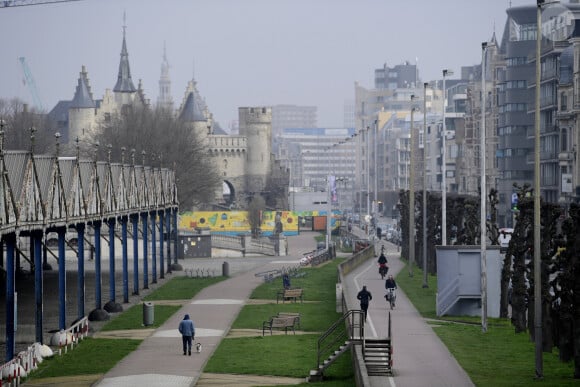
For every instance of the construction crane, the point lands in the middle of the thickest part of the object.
(22, 3)
(29, 81)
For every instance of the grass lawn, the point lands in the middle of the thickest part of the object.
(498, 357)
(286, 355)
(91, 356)
(181, 288)
(132, 318)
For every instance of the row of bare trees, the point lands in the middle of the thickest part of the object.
(560, 260)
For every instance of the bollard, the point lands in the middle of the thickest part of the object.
(148, 313)
(225, 269)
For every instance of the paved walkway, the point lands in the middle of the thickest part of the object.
(159, 360)
(419, 356)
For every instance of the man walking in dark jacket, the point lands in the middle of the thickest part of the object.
(364, 296)
(187, 330)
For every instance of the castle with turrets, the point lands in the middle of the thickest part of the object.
(245, 162)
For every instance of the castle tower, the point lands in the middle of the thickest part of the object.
(165, 101)
(124, 89)
(81, 112)
(194, 111)
(256, 126)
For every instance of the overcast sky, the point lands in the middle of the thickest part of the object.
(242, 52)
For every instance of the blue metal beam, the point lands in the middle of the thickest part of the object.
(144, 217)
(98, 300)
(111, 224)
(161, 260)
(37, 243)
(61, 232)
(10, 241)
(135, 222)
(125, 259)
(153, 249)
(81, 270)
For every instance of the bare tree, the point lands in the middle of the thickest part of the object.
(166, 142)
(20, 123)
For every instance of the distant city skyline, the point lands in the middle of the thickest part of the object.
(249, 53)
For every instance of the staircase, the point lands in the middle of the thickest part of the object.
(378, 356)
(348, 330)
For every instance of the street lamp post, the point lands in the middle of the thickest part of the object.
(412, 194)
(425, 284)
(375, 167)
(537, 256)
(482, 211)
(446, 72)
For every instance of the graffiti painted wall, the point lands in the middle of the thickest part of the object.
(236, 222)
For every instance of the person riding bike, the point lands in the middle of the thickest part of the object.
(383, 267)
(390, 284)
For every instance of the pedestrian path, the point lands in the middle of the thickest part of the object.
(420, 358)
(159, 360)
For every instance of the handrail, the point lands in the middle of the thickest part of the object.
(350, 327)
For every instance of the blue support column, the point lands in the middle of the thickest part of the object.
(37, 242)
(61, 231)
(10, 241)
(112, 306)
(161, 237)
(153, 250)
(81, 270)
(98, 281)
(125, 260)
(111, 224)
(98, 314)
(144, 217)
(168, 220)
(175, 236)
(135, 222)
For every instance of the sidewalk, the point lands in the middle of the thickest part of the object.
(419, 356)
(159, 360)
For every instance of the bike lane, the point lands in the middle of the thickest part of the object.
(419, 356)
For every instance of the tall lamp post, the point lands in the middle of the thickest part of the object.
(446, 72)
(412, 194)
(482, 211)
(425, 284)
(537, 257)
(375, 167)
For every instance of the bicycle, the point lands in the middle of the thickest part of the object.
(391, 296)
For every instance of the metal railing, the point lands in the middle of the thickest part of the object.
(348, 329)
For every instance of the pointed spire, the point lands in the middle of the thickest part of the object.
(124, 81)
(83, 97)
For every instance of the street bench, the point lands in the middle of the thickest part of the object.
(290, 294)
(279, 323)
(296, 316)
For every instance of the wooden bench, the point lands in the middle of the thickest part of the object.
(294, 315)
(279, 323)
(290, 294)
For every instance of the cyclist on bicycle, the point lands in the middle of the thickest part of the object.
(383, 267)
(390, 284)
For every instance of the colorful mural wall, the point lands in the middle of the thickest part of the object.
(236, 222)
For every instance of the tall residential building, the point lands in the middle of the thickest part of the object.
(401, 76)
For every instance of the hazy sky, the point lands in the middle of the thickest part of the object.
(242, 52)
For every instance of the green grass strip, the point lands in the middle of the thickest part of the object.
(182, 288)
(132, 318)
(91, 356)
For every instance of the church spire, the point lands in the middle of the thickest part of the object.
(124, 81)
(165, 101)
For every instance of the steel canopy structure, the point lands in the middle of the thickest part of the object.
(41, 194)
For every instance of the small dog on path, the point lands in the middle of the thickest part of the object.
(198, 347)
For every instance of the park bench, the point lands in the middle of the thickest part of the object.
(290, 294)
(279, 323)
(294, 315)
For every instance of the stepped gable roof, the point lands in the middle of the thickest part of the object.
(83, 97)
(193, 108)
(124, 81)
